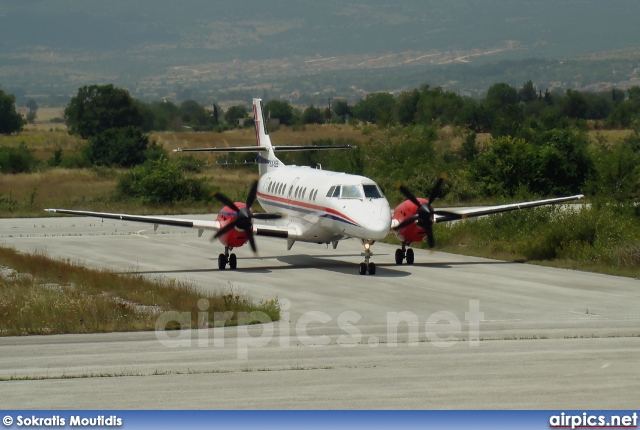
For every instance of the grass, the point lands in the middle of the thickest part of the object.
(46, 296)
(596, 238)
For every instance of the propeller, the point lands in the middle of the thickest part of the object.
(425, 214)
(244, 216)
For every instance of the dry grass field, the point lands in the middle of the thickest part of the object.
(44, 120)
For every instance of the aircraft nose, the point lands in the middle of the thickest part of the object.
(379, 228)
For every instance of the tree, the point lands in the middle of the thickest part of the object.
(407, 106)
(312, 115)
(501, 95)
(117, 147)
(377, 108)
(216, 114)
(10, 120)
(281, 110)
(574, 104)
(235, 113)
(97, 108)
(31, 117)
(527, 92)
(194, 114)
(32, 105)
(342, 109)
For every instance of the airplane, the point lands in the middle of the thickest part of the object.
(306, 204)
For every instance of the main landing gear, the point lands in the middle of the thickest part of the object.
(367, 266)
(226, 258)
(403, 253)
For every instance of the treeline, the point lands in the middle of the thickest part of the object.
(539, 145)
(503, 111)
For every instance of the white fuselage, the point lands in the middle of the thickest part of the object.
(355, 207)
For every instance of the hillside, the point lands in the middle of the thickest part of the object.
(161, 48)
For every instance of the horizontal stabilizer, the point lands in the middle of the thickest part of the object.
(265, 148)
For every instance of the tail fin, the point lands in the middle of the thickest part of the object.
(268, 159)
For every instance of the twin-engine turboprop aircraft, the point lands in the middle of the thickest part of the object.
(313, 205)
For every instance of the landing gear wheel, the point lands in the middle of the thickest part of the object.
(222, 261)
(233, 262)
(363, 269)
(399, 256)
(372, 269)
(410, 256)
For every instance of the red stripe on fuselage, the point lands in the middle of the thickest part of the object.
(308, 206)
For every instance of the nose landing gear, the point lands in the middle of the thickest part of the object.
(367, 266)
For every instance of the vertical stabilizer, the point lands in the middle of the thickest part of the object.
(266, 160)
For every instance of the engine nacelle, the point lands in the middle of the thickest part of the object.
(234, 238)
(413, 232)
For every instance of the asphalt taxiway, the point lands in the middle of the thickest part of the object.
(448, 332)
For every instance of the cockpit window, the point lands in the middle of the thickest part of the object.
(331, 190)
(371, 191)
(351, 192)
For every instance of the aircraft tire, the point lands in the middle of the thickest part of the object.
(222, 261)
(372, 269)
(233, 262)
(399, 256)
(410, 256)
(363, 269)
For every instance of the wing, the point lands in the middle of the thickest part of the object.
(444, 216)
(201, 225)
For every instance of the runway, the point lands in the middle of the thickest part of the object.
(448, 332)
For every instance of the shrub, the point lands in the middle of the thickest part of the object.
(162, 181)
(17, 160)
(118, 147)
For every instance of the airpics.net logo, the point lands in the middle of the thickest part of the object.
(586, 420)
(442, 329)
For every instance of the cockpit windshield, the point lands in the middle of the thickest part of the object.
(358, 191)
(351, 192)
(371, 191)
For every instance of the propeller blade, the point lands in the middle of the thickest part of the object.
(267, 216)
(404, 190)
(435, 191)
(226, 200)
(406, 222)
(227, 228)
(430, 238)
(252, 194)
(252, 242)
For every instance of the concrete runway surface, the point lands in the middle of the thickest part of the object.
(476, 333)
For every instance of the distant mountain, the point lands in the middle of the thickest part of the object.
(53, 46)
